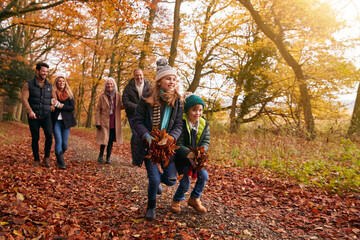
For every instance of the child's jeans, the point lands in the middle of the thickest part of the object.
(168, 177)
(202, 178)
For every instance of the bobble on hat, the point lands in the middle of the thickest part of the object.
(191, 101)
(163, 69)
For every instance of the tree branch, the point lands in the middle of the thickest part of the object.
(32, 7)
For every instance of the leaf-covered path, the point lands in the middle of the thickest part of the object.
(96, 201)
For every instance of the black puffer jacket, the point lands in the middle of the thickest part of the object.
(40, 98)
(130, 97)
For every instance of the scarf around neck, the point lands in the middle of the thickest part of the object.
(111, 97)
(166, 115)
(62, 95)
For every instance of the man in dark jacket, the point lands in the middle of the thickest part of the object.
(36, 99)
(133, 91)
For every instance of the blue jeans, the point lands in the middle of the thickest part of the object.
(61, 135)
(168, 177)
(202, 178)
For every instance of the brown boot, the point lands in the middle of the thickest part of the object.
(36, 163)
(196, 203)
(175, 206)
(47, 162)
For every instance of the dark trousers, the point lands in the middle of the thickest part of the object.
(133, 132)
(35, 125)
(133, 153)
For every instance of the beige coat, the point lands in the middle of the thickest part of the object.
(102, 118)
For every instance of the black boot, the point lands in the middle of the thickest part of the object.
(60, 160)
(108, 159)
(100, 158)
(108, 153)
(151, 210)
(101, 154)
(57, 159)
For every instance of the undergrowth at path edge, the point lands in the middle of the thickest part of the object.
(331, 165)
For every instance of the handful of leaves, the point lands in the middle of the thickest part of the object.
(197, 157)
(162, 147)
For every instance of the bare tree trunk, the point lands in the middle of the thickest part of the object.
(114, 41)
(176, 33)
(277, 39)
(112, 63)
(79, 103)
(305, 102)
(10, 116)
(24, 117)
(149, 28)
(19, 109)
(1, 108)
(90, 111)
(355, 119)
(97, 70)
(80, 94)
(199, 66)
(200, 56)
(120, 80)
(233, 124)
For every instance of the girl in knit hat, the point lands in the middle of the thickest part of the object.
(195, 134)
(160, 109)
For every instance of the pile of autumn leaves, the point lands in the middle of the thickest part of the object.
(82, 202)
(91, 202)
(163, 146)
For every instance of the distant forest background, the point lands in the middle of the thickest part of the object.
(273, 62)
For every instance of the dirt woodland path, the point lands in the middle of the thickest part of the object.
(89, 200)
(220, 221)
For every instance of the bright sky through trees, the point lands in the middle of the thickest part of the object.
(218, 41)
(350, 11)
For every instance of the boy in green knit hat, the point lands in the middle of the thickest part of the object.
(195, 134)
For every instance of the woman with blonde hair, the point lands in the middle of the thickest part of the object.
(108, 119)
(62, 117)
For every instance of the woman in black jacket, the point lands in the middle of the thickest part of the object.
(62, 117)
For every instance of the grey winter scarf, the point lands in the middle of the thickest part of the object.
(111, 97)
